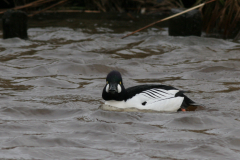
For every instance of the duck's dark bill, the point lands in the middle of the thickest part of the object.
(113, 88)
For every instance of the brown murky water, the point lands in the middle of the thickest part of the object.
(51, 89)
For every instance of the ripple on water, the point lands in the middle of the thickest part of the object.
(51, 88)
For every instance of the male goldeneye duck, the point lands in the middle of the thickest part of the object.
(143, 97)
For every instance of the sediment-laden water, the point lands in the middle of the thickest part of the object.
(51, 86)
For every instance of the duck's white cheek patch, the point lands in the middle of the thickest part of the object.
(107, 88)
(119, 88)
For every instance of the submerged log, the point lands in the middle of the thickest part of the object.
(14, 24)
(186, 24)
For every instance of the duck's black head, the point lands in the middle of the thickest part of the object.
(114, 89)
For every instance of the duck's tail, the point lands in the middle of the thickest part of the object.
(188, 104)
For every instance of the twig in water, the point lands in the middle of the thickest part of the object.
(175, 15)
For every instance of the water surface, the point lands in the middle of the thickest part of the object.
(51, 88)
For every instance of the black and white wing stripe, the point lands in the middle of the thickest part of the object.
(159, 94)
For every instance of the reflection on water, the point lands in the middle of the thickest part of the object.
(51, 89)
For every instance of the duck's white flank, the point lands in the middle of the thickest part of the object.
(153, 99)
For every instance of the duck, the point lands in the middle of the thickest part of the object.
(156, 97)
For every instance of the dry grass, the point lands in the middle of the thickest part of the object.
(219, 17)
(151, 6)
(35, 5)
(222, 17)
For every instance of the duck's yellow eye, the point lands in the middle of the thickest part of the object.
(107, 82)
(120, 82)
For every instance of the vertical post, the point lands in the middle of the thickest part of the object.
(187, 24)
(14, 24)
